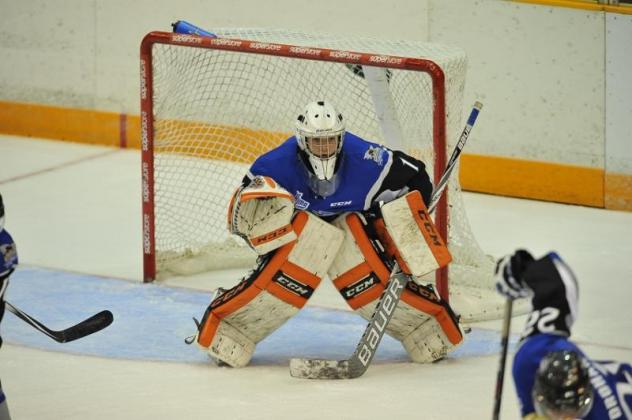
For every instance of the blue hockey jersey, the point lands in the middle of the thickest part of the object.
(8, 253)
(368, 173)
(612, 381)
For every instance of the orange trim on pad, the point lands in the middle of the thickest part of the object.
(377, 266)
(480, 173)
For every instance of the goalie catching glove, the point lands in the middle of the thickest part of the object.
(261, 213)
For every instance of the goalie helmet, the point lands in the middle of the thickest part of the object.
(320, 134)
(562, 386)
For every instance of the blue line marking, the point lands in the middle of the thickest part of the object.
(152, 320)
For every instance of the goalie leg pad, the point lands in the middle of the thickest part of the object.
(424, 323)
(409, 234)
(271, 294)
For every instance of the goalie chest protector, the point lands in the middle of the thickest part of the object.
(363, 168)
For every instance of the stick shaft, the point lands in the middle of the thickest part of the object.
(504, 343)
(443, 182)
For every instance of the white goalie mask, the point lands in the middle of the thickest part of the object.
(320, 133)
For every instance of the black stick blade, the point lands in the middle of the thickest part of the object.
(91, 325)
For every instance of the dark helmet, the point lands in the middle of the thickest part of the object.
(562, 386)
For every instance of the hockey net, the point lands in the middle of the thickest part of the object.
(211, 106)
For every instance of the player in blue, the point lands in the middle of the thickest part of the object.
(328, 203)
(553, 377)
(8, 262)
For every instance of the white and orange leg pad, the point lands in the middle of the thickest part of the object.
(410, 234)
(424, 323)
(275, 291)
(261, 213)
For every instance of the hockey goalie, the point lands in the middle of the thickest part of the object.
(328, 203)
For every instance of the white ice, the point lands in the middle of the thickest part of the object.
(77, 208)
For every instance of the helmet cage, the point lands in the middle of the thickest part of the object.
(316, 129)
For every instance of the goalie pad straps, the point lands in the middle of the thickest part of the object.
(261, 214)
(265, 299)
(424, 323)
(409, 235)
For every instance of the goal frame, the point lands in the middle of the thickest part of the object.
(429, 67)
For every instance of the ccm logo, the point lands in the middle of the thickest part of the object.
(341, 203)
(427, 225)
(359, 287)
(271, 235)
(383, 314)
(294, 286)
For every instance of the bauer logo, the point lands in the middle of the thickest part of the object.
(382, 316)
(385, 59)
(265, 46)
(187, 39)
(345, 54)
(305, 51)
(143, 134)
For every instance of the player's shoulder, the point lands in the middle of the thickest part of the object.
(365, 150)
(5, 237)
(285, 152)
(535, 347)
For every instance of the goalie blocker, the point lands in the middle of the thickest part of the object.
(425, 324)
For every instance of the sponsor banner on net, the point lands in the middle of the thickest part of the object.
(265, 46)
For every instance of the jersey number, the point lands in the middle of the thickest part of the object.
(542, 320)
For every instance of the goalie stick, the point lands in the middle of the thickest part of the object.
(443, 182)
(359, 361)
(86, 327)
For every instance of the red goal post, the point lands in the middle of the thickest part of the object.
(162, 120)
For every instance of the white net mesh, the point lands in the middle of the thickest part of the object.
(216, 111)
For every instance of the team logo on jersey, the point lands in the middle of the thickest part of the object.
(375, 154)
(300, 203)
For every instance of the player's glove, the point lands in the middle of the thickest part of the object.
(509, 275)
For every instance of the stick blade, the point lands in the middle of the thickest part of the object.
(320, 369)
(91, 325)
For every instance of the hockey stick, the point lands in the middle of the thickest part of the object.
(89, 326)
(359, 361)
(443, 182)
(504, 341)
